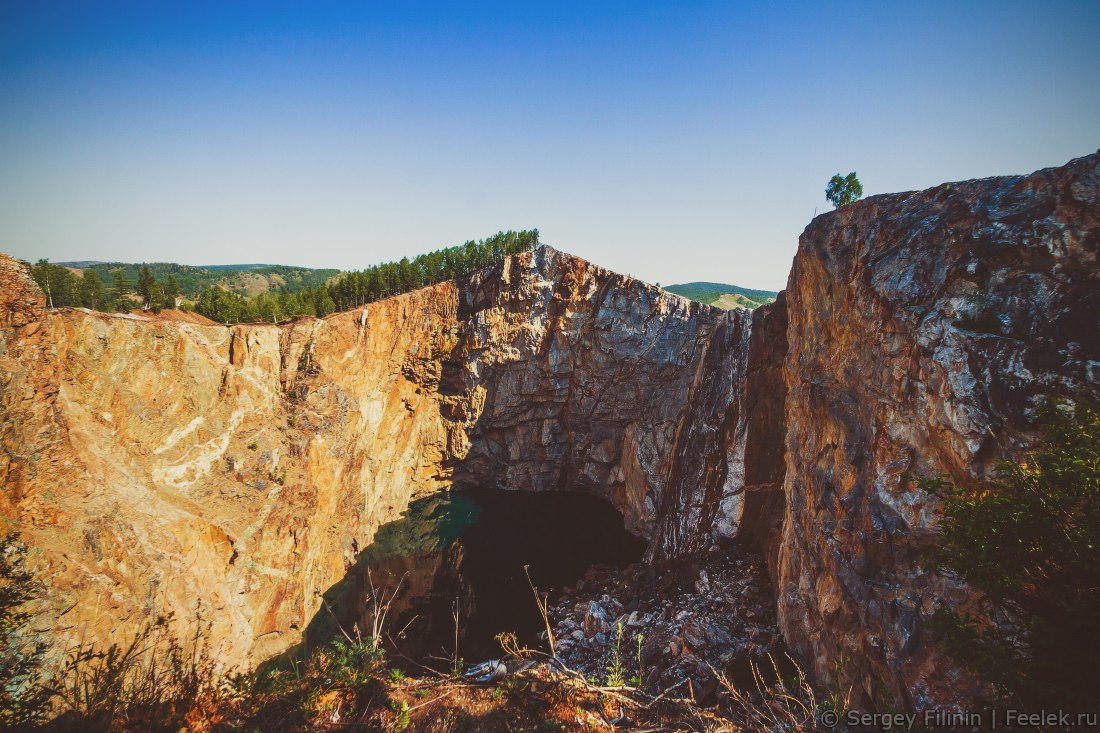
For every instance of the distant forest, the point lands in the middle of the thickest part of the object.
(193, 280)
(284, 292)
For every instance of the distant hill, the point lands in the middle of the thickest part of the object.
(80, 265)
(240, 267)
(245, 279)
(722, 295)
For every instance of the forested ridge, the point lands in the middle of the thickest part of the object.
(303, 292)
(193, 279)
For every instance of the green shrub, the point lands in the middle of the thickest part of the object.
(1030, 543)
(403, 716)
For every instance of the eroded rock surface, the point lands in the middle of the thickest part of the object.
(157, 465)
(924, 330)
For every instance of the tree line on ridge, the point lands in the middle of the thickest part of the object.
(348, 290)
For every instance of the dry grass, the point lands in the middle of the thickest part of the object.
(152, 684)
(155, 683)
(776, 705)
(137, 685)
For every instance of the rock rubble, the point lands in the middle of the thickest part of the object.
(694, 615)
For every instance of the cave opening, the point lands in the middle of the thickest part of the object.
(465, 551)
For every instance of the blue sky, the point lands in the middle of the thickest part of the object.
(674, 141)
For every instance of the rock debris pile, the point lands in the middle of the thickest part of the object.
(715, 611)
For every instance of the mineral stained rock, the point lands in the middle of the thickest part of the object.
(234, 472)
(160, 467)
(924, 330)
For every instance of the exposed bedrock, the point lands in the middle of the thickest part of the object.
(571, 376)
(924, 331)
(158, 466)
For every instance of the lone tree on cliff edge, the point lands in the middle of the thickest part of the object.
(843, 190)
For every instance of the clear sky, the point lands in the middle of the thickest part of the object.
(675, 141)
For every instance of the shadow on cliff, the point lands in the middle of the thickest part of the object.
(464, 554)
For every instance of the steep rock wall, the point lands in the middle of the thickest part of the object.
(924, 330)
(728, 466)
(154, 465)
(589, 380)
(157, 466)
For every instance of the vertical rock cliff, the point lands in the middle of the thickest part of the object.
(924, 330)
(570, 376)
(727, 471)
(158, 466)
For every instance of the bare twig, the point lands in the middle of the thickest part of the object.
(380, 606)
(456, 665)
(543, 602)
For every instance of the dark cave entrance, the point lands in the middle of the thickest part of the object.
(466, 551)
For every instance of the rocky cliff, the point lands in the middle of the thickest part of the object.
(924, 330)
(160, 466)
(236, 472)
(156, 465)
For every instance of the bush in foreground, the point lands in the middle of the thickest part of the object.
(1030, 543)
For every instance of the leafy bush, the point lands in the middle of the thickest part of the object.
(1030, 543)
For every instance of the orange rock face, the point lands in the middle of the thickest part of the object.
(157, 465)
(924, 330)
(163, 466)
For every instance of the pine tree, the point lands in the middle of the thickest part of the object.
(119, 290)
(92, 293)
(147, 286)
(170, 292)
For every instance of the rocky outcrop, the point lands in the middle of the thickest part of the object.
(728, 467)
(568, 375)
(924, 331)
(158, 465)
